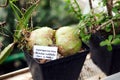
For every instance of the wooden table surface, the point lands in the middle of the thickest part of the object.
(89, 72)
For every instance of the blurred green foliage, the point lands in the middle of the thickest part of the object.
(53, 13)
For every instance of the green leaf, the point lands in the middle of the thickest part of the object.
(28, 13)
(116, 41)
(6, 52)
(108, 28)
(109, 48)
(118, 36)
(114, 10)
(16, 10)
(110, 37)
(104, 43)
(104, 2)
(116, 7)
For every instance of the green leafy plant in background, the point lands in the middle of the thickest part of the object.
(53, 13)
(21, 27)
(74, 7)
(106, 23)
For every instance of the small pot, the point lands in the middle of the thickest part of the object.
(66, 68)
(107, 61)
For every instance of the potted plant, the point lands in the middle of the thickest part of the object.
(42, 46)
(101, 31)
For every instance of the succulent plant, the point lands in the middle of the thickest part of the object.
(41, 36)
(67, 40)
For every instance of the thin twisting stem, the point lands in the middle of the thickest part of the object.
(104, 24)
(113, 27)
(5, 5)
(91, 7)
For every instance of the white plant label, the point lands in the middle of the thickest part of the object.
(45, 52)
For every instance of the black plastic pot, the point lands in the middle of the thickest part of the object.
(67, 68)
(107, 61)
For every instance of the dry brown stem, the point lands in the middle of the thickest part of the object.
(109, 6)
(113, 27)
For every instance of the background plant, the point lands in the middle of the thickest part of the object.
(103, 22)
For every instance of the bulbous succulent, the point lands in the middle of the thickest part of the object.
(41, 36)
(67, 40)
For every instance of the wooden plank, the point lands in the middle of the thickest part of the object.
(13, 74)
(24, 76)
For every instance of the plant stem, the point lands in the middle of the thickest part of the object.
(90, 3)
(114, 33)
(5, 5)
(31, 22)
(109, 5)
(37, 2)
(76, 8)
(98, 28)
(2, 23)
(94, 25)
(107, 22)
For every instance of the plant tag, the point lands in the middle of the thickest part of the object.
(45, 52)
